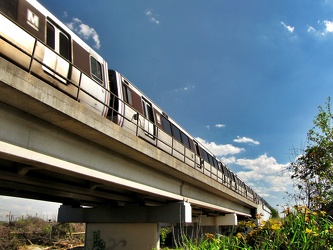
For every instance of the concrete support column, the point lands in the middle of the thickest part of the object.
(211, 224)
(225, 220)
(204, 224)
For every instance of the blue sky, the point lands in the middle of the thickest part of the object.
(246, 77)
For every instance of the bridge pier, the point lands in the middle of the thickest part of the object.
(136, 227)
(128, 227)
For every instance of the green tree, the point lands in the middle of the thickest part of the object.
(312, 170)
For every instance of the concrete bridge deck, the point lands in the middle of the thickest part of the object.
(41, 121)
(53, 148)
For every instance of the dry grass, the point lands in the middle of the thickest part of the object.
(33, 233)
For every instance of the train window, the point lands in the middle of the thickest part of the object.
(9, 8)
(219, 165)
(230, 175)
(210, 158)
(96, 70)
(197, 148)
(215, 163)
(205, 156)
(166, 125)
(64, 45)
(223, 168)
(237, 180)
(185, 140)
(50, 36)
(176, 133)
(148, 110)
(226, 171)
(127, 94)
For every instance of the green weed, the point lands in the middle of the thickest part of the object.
(300, 229)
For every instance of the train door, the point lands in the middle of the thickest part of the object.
(114, 104)
(59, 44)
(198, 159)
(164, 140)
(148, 123)
(188, 150)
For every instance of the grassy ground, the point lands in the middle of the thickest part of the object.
(299, 229)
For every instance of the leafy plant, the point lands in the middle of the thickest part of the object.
(301, 228)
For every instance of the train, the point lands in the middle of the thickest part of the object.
(36, 41)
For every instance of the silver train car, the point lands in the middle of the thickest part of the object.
(35, 40)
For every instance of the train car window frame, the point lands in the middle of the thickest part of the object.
(176, 132)
(197, 149)
(233, 177)
(127, 92)
(230, 175)
(215, 163)
(166, 125)
(50, 36)
(148, 110)
(205, 156)
(223, 169)
(64, 45)
(185, 140)
(96, 70)
(210, 158)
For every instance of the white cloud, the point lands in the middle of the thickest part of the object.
(265, 174)
(228, 160)
(220, 150)
(84, 31)
(187, 88)
(220, 125)
(246, 140)
(329, 26)
(262, 164)
(311, 29)
(149, 13)
(325, 28)
(287, 27)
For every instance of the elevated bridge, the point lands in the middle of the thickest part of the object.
(52, 148)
